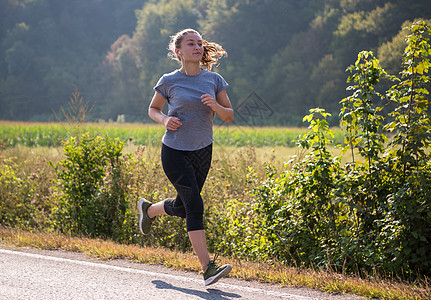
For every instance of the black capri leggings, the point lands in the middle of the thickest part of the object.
(187, 171)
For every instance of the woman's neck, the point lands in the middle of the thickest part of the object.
(191, 69)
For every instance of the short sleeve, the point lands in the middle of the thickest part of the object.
(161, 87)
(221, 83)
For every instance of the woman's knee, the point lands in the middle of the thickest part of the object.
(174, 207)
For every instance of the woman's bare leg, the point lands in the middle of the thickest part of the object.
(197, 237)
(199, 243)
(156, 209)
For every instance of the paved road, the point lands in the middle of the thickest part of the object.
(31, 274)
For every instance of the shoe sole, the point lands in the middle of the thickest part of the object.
(218, 276)
(141, 218)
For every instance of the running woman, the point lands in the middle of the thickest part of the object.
(194, 95)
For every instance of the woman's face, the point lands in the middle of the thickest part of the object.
(191, 47)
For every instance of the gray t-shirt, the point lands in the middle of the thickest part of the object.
(183, 94)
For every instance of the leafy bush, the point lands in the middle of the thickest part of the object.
(371, 214)
(92, 189)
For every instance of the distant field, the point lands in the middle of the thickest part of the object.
(52, 134)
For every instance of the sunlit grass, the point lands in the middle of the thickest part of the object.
(328, 281)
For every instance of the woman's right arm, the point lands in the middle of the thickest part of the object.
(155, 113)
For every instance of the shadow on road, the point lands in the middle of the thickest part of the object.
(211, 294)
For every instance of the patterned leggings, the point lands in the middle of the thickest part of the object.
(187, 171)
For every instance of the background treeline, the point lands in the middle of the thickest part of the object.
(293, 54)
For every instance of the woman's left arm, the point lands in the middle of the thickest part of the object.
(221, 105)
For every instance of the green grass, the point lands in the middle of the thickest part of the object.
(52, 134)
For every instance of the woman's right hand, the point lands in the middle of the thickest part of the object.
(155, 113)
(171, 123)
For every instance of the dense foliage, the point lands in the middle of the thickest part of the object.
(92, 189)
(291, 53)
(372, 214)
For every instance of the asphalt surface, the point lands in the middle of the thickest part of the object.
(39, 274)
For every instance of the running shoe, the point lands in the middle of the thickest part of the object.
(214, 272)
(145, 221)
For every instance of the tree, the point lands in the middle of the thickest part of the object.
(390, 54)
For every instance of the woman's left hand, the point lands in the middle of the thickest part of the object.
(221, 105)
(209, 100)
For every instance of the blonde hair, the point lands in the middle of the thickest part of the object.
(212, 51)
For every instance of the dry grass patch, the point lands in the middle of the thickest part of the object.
(327, 281)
